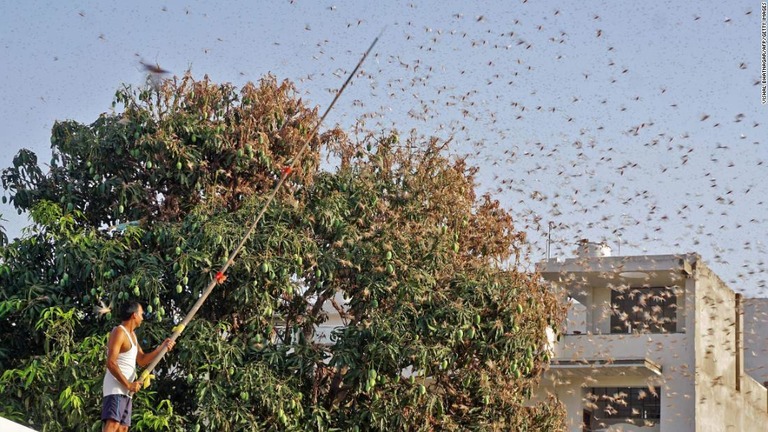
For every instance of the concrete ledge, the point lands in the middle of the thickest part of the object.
(639, 367)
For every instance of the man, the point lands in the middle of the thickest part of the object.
(120, 379)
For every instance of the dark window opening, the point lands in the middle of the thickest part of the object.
(610, 405)
(644, 310)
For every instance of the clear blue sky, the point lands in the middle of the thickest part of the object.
(633, 118)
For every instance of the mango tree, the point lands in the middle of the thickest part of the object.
(440, 328)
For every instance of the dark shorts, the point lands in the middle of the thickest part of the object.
(118, 408)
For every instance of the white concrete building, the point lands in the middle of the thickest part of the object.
(655, 343)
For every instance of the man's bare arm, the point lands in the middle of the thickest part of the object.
(144, 359)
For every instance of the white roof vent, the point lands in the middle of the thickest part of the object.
(587, 249)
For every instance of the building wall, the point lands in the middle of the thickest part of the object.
(673, 351)
(601, 317)
(676, 390)
(706, 366)
(726, 398)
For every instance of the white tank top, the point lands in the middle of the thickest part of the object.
(127, 363)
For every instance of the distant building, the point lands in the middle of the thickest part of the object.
(656, 343)
(756, 339)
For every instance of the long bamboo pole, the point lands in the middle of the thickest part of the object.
(285, 173)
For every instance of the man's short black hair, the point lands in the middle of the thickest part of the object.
(128, 309)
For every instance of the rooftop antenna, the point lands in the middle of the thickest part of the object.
(549, 238)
